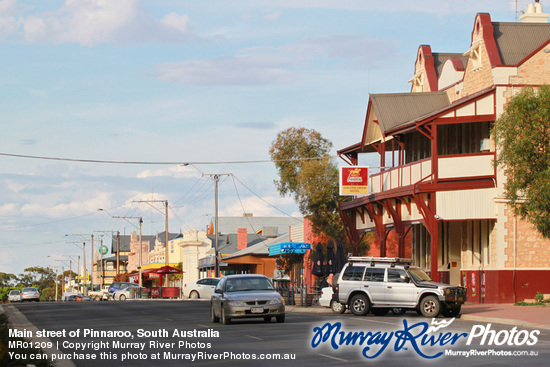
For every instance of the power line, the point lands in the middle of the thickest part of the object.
(152, 163)
(274, 207)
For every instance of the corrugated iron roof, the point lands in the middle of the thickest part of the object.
(515, 41)
(396, 109)
(441, 57)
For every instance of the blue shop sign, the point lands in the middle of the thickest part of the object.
(289, 248)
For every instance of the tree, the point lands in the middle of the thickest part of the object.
(38, 276)
(310, 175)
(120, 277)
(522, 135)
(7, 279)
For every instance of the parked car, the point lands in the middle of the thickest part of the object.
(326, 301)
(30, 294)
(15, 296)
(100, 295)
(78, 297)
(119, 286)
(126, 293)
(246, 296)
(202, 288)
(378, 284)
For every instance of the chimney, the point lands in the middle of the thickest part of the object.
(534, 14)
(242, 239)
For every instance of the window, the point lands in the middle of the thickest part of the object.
(396, 276)
(417, 147)
(353, 273)
(375, 274)
(462, 138)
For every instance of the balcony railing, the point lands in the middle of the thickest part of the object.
(454, 167)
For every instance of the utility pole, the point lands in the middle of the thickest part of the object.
(85, 290)
(166, 253)
(101, 265)
(117, 252)
(216, 177)
(118, 240)
(92, 266)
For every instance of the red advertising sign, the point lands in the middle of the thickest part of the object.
(354, 180)
(155, 292)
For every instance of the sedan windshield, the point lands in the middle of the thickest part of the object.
(419, 275)
(248, 284)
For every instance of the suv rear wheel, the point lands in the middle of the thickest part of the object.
(430, 306)
(359, 305)
(337, 307)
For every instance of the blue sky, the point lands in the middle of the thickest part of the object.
(187, 81)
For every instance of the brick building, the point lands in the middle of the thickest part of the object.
(438, 197)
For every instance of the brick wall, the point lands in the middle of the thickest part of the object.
(532, 250)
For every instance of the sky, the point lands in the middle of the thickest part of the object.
(169, 82)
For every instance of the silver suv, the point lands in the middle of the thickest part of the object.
(378, 284)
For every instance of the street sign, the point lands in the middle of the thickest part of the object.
(103, 250)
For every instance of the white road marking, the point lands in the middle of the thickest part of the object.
(331, 357)
(254, 337)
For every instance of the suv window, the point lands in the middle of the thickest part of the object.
(375, 274)
(353, 273)
(396, 275)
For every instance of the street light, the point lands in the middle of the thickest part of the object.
(83, 259)
(140, 241)
(62, 276)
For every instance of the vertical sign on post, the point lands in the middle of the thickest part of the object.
(354, 180)
(483, 284)
(473, 283)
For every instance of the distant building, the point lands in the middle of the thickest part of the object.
(239, 233)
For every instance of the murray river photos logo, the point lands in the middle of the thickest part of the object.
(428, 341)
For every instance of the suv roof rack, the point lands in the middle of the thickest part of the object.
(373, 260)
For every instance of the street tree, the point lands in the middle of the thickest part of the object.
(7, 279)
(37, 276)
(522, 135)
(309, 174)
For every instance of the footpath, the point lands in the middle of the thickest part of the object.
(537, 317)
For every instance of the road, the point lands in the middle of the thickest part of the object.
(176, 333)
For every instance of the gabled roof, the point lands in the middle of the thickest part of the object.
(124, 244)
(516, 41)
(227, 244)
(161, 236)
(396, 109)
(422, 115)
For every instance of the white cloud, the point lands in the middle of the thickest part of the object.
(359, 49)
(236, 70)
(396, 6)
(65, 210)
(273, 16)
(174, 171)
(10, 17)
(93, 22)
